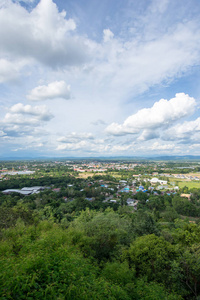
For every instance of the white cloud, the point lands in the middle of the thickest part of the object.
(83, 141)
(88, 144)
(157, 148)
(23, 120)
(43, 34)
(73, 146)
(2, 133)
(74, 137)
(56, 89)
(121, 66)
(25, 130)
(25, 1)
(148, 134)
(163, 147)
(107, 35)
(161, 114)
(126, 68)
(85, 146)
(119, 148)
(28, 112)
(9, 70)
(183, 131)
(194, 146)
(44, 44)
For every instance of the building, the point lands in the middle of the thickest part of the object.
(25, 191)
(156, 180)
(10, 191)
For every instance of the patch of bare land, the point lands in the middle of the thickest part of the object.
(90, 174)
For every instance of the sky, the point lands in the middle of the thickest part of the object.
(99, 78)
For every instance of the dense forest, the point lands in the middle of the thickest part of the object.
(60, 245)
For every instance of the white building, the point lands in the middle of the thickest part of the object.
(156, 180)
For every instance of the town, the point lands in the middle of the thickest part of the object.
(108, 182)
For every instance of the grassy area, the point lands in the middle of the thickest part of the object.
(189, 184)
(89, 174)
(181, 183)
(116, 175)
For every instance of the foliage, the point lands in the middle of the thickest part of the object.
(143, 223)
(72, 243)
(47, 267)
(185, 207)
(151, 256)
(102, 234)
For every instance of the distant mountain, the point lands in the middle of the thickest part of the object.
(111, 158)
(184, 157)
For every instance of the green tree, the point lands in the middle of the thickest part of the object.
(190, 263)
(143, 223)
(103, 234)
(152, 256)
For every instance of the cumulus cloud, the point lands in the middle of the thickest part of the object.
(163, 113)
(39, 113)
(56, 89)
(46, 35)
(74, 137)
(25, 115)
(9, 70)
(148, 134)
(43, 34)
(22, 130)
(184, 131)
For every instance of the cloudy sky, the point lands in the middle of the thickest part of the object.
(99, 78)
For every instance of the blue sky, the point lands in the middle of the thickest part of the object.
(99, 78)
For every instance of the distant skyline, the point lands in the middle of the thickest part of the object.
(99, 78)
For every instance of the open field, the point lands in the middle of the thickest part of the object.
(90, 174)
(194, 174)
(117, 175)
(190, 184)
